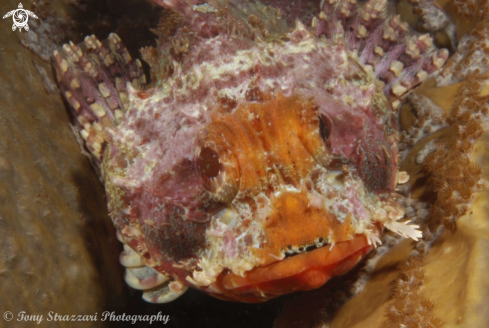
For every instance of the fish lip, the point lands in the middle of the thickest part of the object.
(303, 271)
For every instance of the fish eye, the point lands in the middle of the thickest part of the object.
(208, 164)
(324, 129)
(215, 163)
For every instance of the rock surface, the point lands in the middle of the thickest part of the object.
(58, 251)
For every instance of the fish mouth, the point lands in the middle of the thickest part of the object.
(299, 272)
(293, 221)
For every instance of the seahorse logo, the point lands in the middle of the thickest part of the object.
(20, 16)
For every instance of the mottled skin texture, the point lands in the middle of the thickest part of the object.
(255, 147)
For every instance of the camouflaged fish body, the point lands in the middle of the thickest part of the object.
(262, 160)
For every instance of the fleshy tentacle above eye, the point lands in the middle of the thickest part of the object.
(93, 78)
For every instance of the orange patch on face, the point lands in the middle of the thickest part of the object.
(265, 144)
(293, 222)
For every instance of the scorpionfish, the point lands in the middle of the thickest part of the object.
(263, 157)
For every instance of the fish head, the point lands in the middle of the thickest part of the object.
(294, 213)
(275, 195)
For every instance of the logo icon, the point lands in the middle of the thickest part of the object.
(20, 16)
(8, 315)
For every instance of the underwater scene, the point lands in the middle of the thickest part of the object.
(232, 163)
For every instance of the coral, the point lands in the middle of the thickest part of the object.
(470, 58)
(448, 20)
(436, 21)
(426, 119)
(451, 173)
(410, 309)
(471, 8)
